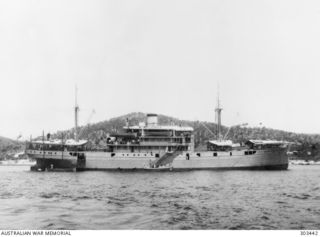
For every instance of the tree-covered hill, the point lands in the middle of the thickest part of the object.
(9, 147)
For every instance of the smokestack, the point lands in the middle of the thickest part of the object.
(152, 120)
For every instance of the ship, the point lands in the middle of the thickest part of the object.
(149, 146)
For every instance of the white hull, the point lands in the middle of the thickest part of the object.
(260, 159)
(263, 159)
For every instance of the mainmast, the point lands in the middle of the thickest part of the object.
(218, 117)
(76, 111)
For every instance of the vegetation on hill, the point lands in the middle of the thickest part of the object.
(8, 148)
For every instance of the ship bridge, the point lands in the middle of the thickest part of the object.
(153, 129)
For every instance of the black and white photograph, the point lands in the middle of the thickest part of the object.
(159, 115)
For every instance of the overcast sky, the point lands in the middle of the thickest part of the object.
(164, 56)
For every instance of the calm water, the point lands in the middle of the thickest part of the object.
(165, 200)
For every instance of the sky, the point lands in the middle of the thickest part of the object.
(165, 57)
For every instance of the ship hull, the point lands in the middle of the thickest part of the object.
(266, 167)
(263, 159)
(54, 164)
(53, 160)
(235, 160)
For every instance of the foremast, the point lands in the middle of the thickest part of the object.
(218, 111)
(76, 111)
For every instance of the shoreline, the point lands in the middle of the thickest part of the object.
(304, 162)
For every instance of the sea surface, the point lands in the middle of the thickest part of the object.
(160, 200)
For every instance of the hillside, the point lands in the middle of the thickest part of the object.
(96, 133)
(8, 148)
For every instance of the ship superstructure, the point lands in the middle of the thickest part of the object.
(152, 137)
